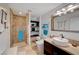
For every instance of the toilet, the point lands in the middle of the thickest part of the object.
(40, 43)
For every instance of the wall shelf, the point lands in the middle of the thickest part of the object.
(34, 28)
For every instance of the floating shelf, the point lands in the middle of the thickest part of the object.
(35, 28)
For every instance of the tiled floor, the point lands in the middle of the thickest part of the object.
(23, 46)
(20, 49)
(23, 49)
(36, 49)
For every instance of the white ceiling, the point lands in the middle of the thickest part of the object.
(36, 8)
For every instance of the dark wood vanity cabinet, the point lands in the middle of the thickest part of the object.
(50, 49)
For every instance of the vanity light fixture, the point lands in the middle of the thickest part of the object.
(1, 7)
(72, 8)
(64, 10)
(69, 8)
(58, 13)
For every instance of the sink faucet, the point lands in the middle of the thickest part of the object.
(61, 35)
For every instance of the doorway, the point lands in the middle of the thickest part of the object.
(19, 29)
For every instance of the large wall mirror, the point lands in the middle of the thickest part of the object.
(66, 22)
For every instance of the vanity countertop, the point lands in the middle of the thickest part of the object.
(69, 49)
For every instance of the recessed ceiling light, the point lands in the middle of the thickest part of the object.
(20, 13)
(2, 8)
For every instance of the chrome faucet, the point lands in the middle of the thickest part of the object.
(61, 35)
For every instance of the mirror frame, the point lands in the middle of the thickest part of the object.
(53, 27)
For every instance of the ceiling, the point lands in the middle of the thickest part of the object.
(37, 9)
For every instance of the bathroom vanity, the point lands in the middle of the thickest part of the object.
(52, 49)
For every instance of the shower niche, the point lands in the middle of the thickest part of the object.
(34, 28)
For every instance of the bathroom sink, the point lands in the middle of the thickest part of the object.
(60, 41)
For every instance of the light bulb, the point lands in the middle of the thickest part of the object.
(63, 9)
(20, 13)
